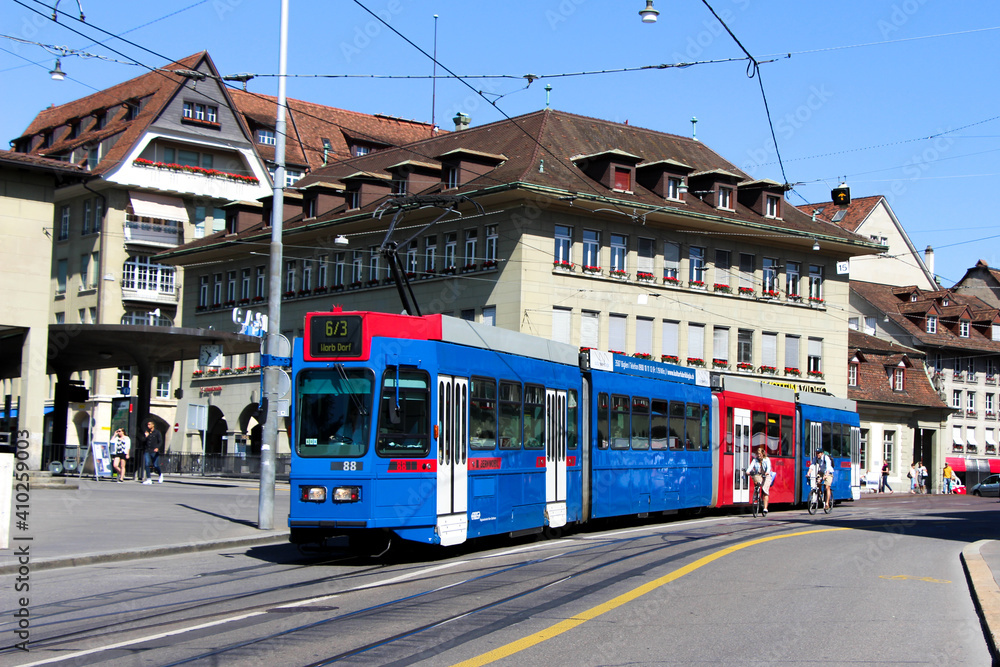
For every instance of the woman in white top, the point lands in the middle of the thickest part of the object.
(120, 446)
(762, 466)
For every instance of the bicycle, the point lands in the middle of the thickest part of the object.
(758, 495)
(817, 496)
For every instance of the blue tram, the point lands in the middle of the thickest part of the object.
(834, 423)
(438, 430)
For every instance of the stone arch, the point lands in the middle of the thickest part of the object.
(254, 434)
(215, 435)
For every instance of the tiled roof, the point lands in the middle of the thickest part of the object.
(154, 89)
(857, 211)
(34, 161)
(873, 380)
(537, 150)
(897, 305)
(308, 124)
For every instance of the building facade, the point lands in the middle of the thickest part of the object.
(583, 231)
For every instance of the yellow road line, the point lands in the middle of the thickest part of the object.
(594, 612)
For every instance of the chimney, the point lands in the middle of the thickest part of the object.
(929, 259)
(461, 121)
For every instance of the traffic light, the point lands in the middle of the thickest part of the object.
(841, 195)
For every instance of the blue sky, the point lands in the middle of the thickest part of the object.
(897, 97)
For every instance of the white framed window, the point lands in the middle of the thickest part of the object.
(163, 373)
(645, 253)
(696, 341)
(86, 216)
(203, 292)
(671, 261)
(673, 188)
(995, 332)
(291, 177)
(852, 374)
(747, 263)
(450, 250)
(988, 404)
(720, 344)
(725, 198)
(956, 399)
(723, 262)
(963, 328)
(561, 324)
(793, 271)
(696, 265)
(261, 279)
(870, 325)
(230, 286)
(307, 274)
(357, 266)
(616, 333)
(770, 275)
(815, 282)
(411, 257)
(590, 329)
(591, 249)
(321, 270)
(217, 290)
(490, 316)
(491, 243)
(430, 254)
(898, 379)
(744, 346)
(852, 323)
(889, 447)
(98, 214)
(644, 335)
(670, 343)
(815, 360)
(451, 177)
(769, 349)
(373, 263)
(471, 241)
(772, 207)
(266, 137)
(63, 223)
(124, 381)
(84, 270)
(932, 321)
(792, 352)
(619, 252)
(290, 276)
(245, 284)
(563, 244)
(338, 269)
(970, 402)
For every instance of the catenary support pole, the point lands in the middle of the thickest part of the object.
(269, 436)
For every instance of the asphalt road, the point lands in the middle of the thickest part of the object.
(874, 583)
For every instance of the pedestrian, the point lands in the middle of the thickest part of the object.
(883, 484)
(120, 450)
(912, 476)
(154, 443)
(924, 487)
(947, 474)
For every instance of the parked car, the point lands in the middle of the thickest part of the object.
(988, 487)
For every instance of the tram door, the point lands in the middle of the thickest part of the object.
(452, 461)
(855, 462)
(555, 457)
(741, 455)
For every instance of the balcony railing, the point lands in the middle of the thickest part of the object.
(166, 233)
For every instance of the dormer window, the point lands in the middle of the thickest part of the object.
(131, 110)
(673, 188)
(265, 137)
(852, 373)
(913, 298)
(963, 328)
(944, 301)
(932, 322)
(725, 198)
(897, 378)
(772, 207)
(358, 150)
(623, 179)
(353, 199)
(451, 176)
(194, 112)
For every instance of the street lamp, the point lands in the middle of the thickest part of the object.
(649, 14)
(57, 73)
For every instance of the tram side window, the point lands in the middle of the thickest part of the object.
(619, 422)
(839, 447)
(640, 422)
(706, 428)
(334, 412)
(773, 435)
(603, 405)
(758, 431)
(572, 417)
(483, 414)
(727, 430)
(676, 425)
(786, 435)
(404, 430)
(658, 423)
(534, 417)
(693, 412)
(828, 438)
(510, 415)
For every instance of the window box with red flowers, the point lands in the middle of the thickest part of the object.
(304, 292)
(672, 280)
(720, 363)
(723, 288)
(768, 370)
(747, 291)
(339, 287)
(696, 284)
(562, 265)
(990, 414)
(209, 372)
(254, 369)
(197, 373)
(771, 294)
(216, 306)
(321, 290)
(643, 355)
(644, 276)
(745, 367)
(449, 270)
(214, 173)
(489, 264)
(469, 268)
(290, 294)
(669, 358)
(225, 371)
(695, 361)
(428, 273)
(244, 302)
(621, 274)
(355, 285)
(793, 372)
(229, 304)
(593, 270)
(372, 283)
(240, 369)
(200, 309)
(816, 300)
(617, 352)
(258, 299)
(815, 375)
(970, 413)
(411, 275)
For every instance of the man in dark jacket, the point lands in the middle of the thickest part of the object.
(154, 445)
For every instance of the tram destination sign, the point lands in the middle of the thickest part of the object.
(335, 336)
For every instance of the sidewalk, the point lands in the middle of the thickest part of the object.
(981, 561)
(111, 521)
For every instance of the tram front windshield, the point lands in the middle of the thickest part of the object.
(334, 412)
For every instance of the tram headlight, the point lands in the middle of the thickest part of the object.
(346, 494)
(313, 494)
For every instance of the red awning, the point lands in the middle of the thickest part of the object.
(994, 465)
(957, 464)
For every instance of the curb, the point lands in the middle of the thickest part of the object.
(985, 594)
(145, 552)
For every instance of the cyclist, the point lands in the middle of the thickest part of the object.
(824, 470)
(762, 466)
